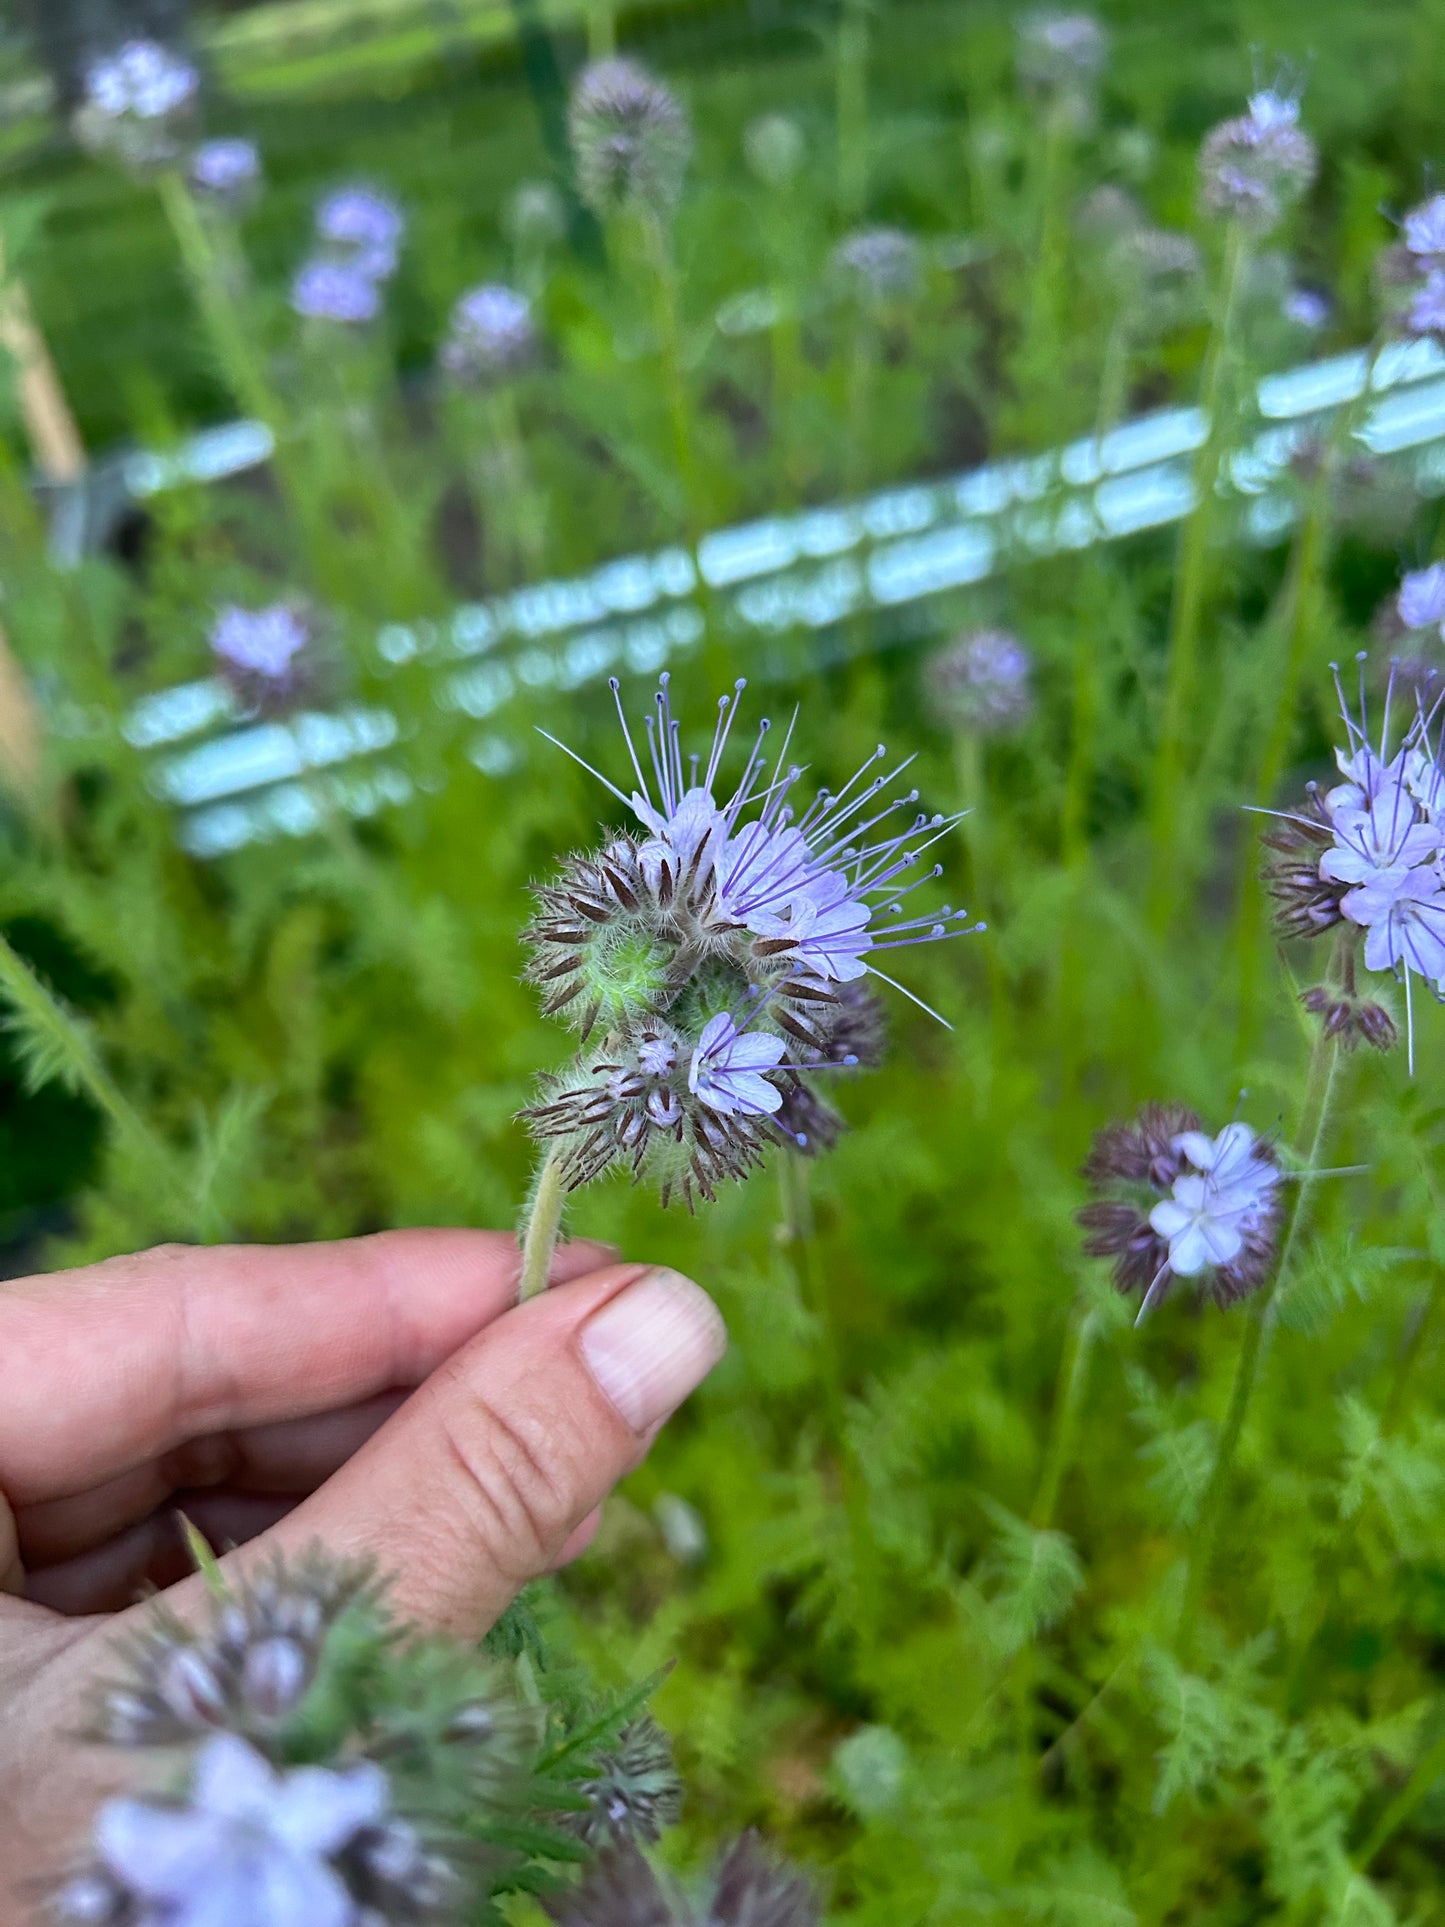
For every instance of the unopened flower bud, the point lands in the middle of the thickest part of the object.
(274, 1676)
(775, 149)
(631, 139)
(1353, 1020)
(191, 1688)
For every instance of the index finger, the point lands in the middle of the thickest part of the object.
(106, 1367)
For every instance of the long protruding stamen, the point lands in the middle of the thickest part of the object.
(728, 707)
(616, 688)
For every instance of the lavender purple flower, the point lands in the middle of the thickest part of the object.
(260, 652)
(634, 1792)
(631, 139)
(1421, 600)
(492, 335)
(248, 1843)
(982, 682)
(326, 290)
(1174, 1202)
(364, 227)
(1370, 853)
(1423, 231)
(226, 172)
(720, 955)
(137, 100)
(1254, 167)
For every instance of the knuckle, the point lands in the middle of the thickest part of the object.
(519, 1481)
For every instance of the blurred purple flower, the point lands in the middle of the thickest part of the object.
(335, 291)
(249, 1844)
(492, 334)
(226, 171)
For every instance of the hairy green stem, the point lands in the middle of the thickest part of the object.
(799, 1235)
(1190, 587)
(1068, 1402)
(851, 81)
(658, 245)
(543, 1227)
(1324, 1063)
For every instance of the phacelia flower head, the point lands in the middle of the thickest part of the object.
(261, 652)
(1172, 1202)
(715, 951)
(364, 228)
(750, 1888)
(247, 1843)
(137, 102)
(1253, 168)
(634, 1792)
(245, 1670)
(881, 264)
(327, 290)
(983, 682)
(1421, 600)
(492, 335)
(631, 139)
(226, 172)
(1370, 853)
(1061, 53)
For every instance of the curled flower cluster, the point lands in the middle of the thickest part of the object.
(137, 102)
(633, 1792)
(631, 139)
(982, 682)
(714, 965)
(1254, 167)
(1413, 272)
(492, 335)
(879, 263)
(260, 652)
(359, 232)
(1176, 1203)
(226, 173)
(749, 1889)
(1371, 853)
(246, 1672)
(334, 1764)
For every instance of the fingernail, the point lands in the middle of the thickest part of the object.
(653, 1344)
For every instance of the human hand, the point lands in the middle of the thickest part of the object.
(385, 1397)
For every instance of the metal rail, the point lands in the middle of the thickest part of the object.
(236, 781)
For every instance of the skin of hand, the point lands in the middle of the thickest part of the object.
(386, 1397)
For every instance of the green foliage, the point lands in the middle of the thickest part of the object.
(961, 1613)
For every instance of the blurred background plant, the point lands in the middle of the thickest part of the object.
(984, 1603)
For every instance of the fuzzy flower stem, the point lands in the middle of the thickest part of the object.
(799, 1233)
(207, 273)
(1068, 1402)
(544, 1226)
(1190, 586)
(658, 245)
(852, 109)
(1040, 361)
(1319, 1093)
(213, 281)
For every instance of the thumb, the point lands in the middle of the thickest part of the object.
(476, 1484)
